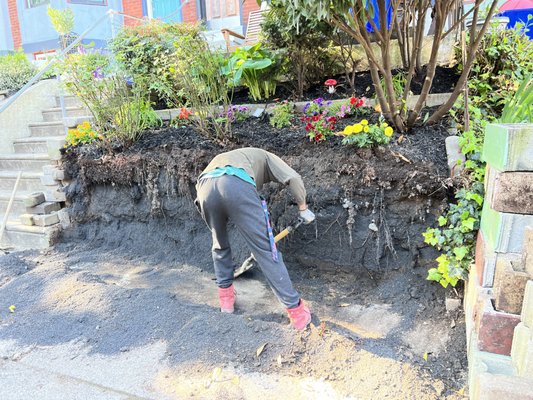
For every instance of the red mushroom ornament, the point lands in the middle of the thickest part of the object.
(330, 83)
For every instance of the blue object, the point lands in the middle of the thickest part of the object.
(229, 170)
(520, 16)
(270, 234)
(376, 15)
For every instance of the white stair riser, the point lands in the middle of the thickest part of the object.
(25, 184)
(23, 165)
(51, 116)
(47, 130)
(17, 208)
(70, 101)
(25, 240)
(32, 147)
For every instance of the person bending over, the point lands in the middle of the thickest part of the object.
(227, 190)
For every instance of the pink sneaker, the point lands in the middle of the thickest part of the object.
(300, 316)
(227, 299)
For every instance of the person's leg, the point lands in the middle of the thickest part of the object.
(245, 210)
(214, 213)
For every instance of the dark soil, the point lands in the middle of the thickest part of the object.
(136, 204)
(443, 82)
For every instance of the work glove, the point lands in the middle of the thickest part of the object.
(307, 216)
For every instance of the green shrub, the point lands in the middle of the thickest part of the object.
(282, 114)
(15, 71)
(519, 108)
(147, 52)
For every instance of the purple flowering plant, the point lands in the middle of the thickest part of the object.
(236, 113)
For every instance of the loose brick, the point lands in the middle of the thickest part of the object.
(527, 305)
(26, 219)
(34, 199)
(527, 254)
(495, 333)
(64, 218)
(509, 283)
(507, 147)
(48, 180)
(59, 175)
(499, 387)
(44, 208)
(511, 192)
(46, 219)
(56, 195)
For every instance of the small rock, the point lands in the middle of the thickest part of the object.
(452, 304)
(413, 292)
(373, 227)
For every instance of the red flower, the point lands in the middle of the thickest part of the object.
(352, 100)
(318, 137)
(360, 102)
(315, 118)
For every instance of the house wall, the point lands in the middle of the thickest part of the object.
(6, 40)
(189, 11)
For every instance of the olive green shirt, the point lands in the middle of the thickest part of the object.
(263, 167)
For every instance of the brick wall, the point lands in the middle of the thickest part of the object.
(133, 8)
(189, 12)
(247, 7)
(15, 26)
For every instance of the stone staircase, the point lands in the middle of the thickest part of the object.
(37, 156)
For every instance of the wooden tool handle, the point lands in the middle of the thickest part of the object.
(282, 234)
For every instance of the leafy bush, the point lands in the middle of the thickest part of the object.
(254, 68)
(15, 71)
(196, 70)
(520, 107)
(120, 107)
(306, 49)
(147, 52)
(282, 114)
(363, 134)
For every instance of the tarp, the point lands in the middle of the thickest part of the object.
(376, 15)
(520, 16)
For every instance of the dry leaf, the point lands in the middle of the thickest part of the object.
(425, 356)
(235, 380)
(12, 308)
(344, 304)
(216, 373)
(279, 360)
(260, 349)
(461, 391)
(401, 139)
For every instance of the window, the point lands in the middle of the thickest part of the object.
(89, 2)
(36, 3)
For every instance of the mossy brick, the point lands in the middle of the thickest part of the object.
(522, 340)
(501, 387)
(47, 207)
(509, 192)
(504, 232)
(527, 305)
(509, 283)
(46, 219)
(509, 147)
(34, 199)
(527, 253)
(495, 332)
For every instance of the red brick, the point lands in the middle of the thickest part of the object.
(189, 12)
(496, 329)
(15, 25)
(134, 9)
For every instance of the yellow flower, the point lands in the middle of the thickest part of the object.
(377, 108)
(384, 125)
(348, 130)
(364, 122)
(389, 131)
(366, 129)
(357, 128)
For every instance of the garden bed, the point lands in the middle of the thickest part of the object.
(138, 203)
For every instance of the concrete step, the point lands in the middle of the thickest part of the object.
(29, 182)
(55, 114)
(17, 207)
(34, 145)
(53, 128)
(20, 237)
(70, 101)
(23, 161)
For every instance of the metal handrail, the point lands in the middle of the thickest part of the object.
(39, 74)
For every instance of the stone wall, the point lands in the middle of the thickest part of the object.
(499, 295)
